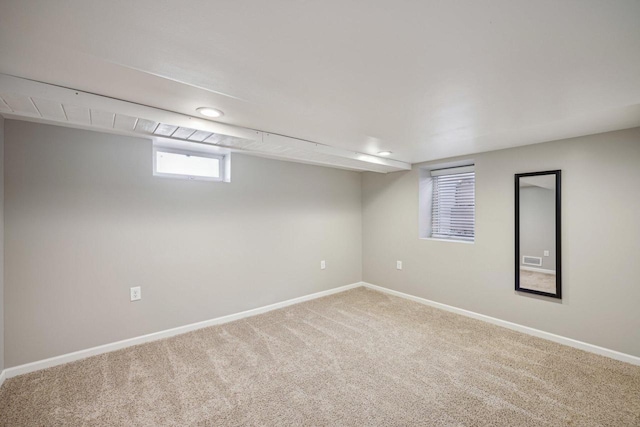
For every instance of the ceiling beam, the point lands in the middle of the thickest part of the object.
(19, 98)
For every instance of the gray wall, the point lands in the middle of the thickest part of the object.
(538, 225)
(86, 220)
(1, 243)
(601, 240)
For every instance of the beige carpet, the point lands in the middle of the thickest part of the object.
(356, 358)
(538, 281)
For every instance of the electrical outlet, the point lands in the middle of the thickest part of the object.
(546, 253)
(399, 265)
(323, 265)
(136, 293)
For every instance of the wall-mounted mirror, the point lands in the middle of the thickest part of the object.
(538, 266)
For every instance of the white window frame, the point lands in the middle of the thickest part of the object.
(426, 193)
(220, 157)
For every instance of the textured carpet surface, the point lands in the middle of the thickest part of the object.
(538, 281)
(356, 358)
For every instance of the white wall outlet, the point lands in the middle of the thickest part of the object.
(323, 265)
(399, 265)
(136, 293)
(546, 253)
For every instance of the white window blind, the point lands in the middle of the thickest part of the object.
(453, 207)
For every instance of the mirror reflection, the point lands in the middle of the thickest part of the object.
(537, 257)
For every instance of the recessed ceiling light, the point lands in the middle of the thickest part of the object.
(384, 153)
(210, 112)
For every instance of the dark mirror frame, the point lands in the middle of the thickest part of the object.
(558, 293)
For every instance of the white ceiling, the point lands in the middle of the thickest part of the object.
(424, 79)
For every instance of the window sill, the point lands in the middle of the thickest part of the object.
(448, 240)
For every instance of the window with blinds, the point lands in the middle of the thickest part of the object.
(453, 208)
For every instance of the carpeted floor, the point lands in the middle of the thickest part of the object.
(357, 358)
(538, 281)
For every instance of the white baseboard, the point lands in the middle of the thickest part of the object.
(538, 270)
(106, 348)
(81, 354)
(634, 360)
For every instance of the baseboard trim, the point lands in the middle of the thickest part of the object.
(106, 348)
(538, 270)
(634, 360)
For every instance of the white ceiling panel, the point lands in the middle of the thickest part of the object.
(102, 119)
(183, 133)
(125, 123)
(77, 114)
(199, 136)
(20, 104)
(48, 109)
(164, 129)
(146, 126)
(214, 138)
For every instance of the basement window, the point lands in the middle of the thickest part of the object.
(177, 163)
(447, 204)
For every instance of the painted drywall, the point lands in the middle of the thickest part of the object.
(538, 225)
(1, 243)
(600, 238)
(86, 220)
